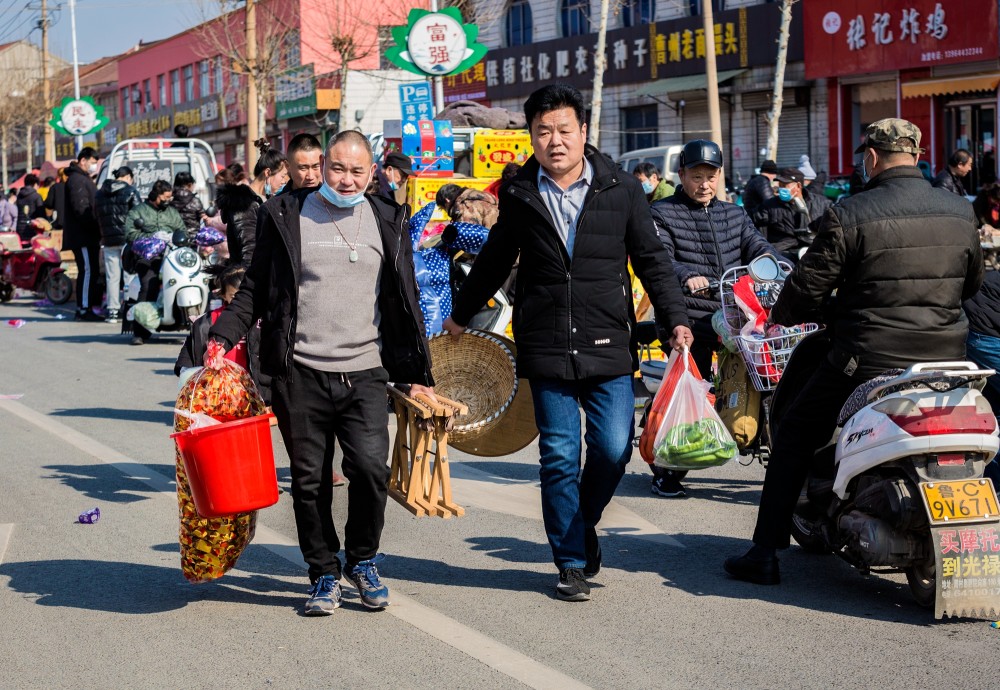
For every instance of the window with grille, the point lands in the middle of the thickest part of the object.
(518, 29)
(574, 16)
(638, 12)
(639, 127)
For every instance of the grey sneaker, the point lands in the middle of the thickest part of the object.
(572, 586)
(324, 597)
(364, 575)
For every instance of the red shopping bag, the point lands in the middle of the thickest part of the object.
(675, 367)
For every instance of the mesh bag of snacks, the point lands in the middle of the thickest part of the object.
(211, 546)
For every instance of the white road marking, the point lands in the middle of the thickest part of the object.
(5, 531)
(475, 644)
(522, 499)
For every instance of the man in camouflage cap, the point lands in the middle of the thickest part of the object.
(893, 135)
(902, 256)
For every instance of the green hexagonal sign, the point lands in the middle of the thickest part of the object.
(77, 117)
(435, 43)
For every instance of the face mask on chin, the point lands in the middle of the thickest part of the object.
(343, 200)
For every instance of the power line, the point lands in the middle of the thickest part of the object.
(13, 30)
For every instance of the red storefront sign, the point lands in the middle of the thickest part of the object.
(859, 36)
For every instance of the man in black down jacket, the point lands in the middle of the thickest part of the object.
(187, 202)
(576, 219)
(791, 219)
(238, 205)
(760, 187)
(81, 233)
(332, 282)
(705, 237)
(951, 178)
(114, 200)
(902, 257)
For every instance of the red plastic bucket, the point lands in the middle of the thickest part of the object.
(230, 466)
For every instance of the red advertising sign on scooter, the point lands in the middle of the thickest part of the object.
(860, 36)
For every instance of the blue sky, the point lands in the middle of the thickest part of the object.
(109, 27)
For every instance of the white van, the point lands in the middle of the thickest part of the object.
(161, 159)
(666, 158)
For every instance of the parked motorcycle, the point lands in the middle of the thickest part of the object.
(184, 287)
(38, 268)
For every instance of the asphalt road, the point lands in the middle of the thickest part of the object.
(105, 605)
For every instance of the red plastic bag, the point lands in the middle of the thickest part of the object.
(675, 367)
(754, 331)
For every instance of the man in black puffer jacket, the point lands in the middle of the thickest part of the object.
(760, 187)
(576, 220)
(238, 205)
(705, 237)
(902, 256)
(187, 202)
(791, 219)
(113, 201)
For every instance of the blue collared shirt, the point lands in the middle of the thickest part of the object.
(564, 205)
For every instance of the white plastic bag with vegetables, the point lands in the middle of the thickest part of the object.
(691, 435)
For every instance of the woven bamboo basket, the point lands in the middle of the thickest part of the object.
(479, 371)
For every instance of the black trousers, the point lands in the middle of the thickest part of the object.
(315, 409)
(807, 426)
(149, 280)
(88, 277)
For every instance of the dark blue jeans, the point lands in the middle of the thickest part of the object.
(984, 350)
(572, 500)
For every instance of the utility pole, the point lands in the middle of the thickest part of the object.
(438, 82)
(714, 118)
(779, 80)
(76, 64)
(50, 134)
(600, 64)
(253, 107)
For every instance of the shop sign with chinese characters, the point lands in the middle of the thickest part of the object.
(861, 36)
(78, 117)
(469, 85)
(435, 43)
(416, 101)
(296, 93)
(636, 55)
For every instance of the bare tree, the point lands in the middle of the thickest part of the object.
(351, 29)
(223, 36)
(774, 115)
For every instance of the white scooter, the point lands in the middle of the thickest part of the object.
(184, 288)
(900, 486)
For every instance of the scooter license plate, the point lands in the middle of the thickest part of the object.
(970, 500)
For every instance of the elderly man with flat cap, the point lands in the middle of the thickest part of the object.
(902, 257)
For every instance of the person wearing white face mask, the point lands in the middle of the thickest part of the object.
(653, 185)
(332, 283)
(81, 232)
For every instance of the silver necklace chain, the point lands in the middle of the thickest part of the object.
(353, 256)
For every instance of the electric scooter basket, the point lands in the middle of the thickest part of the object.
(765, 357)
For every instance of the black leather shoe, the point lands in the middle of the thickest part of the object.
(760, 571)
(593, 551)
